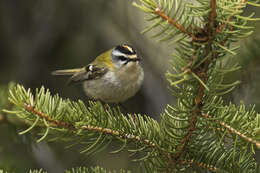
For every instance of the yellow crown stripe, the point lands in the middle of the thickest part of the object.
(132, 56)
(129, 48)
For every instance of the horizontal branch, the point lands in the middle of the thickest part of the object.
(69, 126)
(234, 131)
(31, 109)
(108, 131)
(200, 164)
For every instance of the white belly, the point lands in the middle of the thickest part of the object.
(115, 87)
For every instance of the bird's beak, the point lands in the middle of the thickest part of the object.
(134, 59)
(138, 59)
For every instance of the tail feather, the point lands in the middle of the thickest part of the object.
(66, 71)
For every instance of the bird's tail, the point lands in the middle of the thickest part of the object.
(66, 71)
(77, 74)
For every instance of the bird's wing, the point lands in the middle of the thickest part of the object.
(95, 72)
(90, 72)
(100, 66)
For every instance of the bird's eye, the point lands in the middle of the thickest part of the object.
(122, 58)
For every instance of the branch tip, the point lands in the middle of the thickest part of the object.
(233, 130)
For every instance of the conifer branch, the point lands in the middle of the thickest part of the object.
(224, 25)
(201, 73)
(164, 16)
(69, 126)
(213, 44)
(25, 101)
(96, 169)
(201, 165)
(183, 138)
(213, 12)
(234, 131)
(42, 115)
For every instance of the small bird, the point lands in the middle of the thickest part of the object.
(113, 77)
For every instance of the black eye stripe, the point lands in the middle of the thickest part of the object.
(127, 60)
(122, 58)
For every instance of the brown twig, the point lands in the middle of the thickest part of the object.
(65, 125)
(223, 26)
(200, 164)
(201, 73)
(69, 126)
(232, 130)
(159, 12)
(213, 6)
(57, 123)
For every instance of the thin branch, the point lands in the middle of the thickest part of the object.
(57, 123)
(213, 6)
(234, 131)
(223, 26)
(117, 133)
(65, 125)
(159, 12)
(201, 165)
(69, 126)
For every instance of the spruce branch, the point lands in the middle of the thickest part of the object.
(159, 12)
(75, 118)
(199, 73)
(202, 165)
(234, 131)
(56, 125)
(96, 169)
(37, 171)
(200, 132)
(235, 12)
(68, 126)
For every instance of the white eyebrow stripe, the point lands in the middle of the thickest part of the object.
(118, 53)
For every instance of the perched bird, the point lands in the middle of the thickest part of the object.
(113, 77)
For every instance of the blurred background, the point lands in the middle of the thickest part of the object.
(39, 36)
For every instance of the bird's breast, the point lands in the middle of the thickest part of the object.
(116, 86)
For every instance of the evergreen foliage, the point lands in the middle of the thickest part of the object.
(93, 170)
(200, 132)
(37, 171)
(96, 169)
